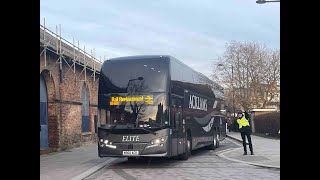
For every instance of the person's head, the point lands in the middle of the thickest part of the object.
(240, 114)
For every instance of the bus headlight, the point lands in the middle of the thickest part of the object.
(157, 142)
(107, 143)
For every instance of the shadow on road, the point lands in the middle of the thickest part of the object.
(161, 162)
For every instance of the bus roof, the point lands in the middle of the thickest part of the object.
(139, 57)
(155, 57)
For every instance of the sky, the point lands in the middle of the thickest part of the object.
(193, 31)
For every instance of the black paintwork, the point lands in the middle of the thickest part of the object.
(173, 83)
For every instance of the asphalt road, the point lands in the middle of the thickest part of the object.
(203, 164)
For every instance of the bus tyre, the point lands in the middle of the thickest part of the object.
(217, 140)
(214, 142)
(187, 153)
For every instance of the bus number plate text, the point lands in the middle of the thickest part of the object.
(130, 152)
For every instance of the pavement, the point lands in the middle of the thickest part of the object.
(76, 163)
(266, 151)
(81, 162)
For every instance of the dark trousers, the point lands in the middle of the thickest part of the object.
(229, 127)
(243, 136)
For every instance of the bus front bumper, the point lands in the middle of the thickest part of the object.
(133, 150)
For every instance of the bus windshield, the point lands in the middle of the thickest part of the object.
(134, 93)
(144, 110)
(134, 76)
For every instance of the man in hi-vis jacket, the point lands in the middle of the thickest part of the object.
(245, 130)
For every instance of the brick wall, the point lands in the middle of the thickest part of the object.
(65, 103)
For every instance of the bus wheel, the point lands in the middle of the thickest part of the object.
(218, 141)
(186, 154)
(214, 143)
(189, 146)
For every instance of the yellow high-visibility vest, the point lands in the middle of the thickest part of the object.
(243, 122)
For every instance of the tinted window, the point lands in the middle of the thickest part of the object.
(180, 72)
(140, 113)
(184, 78)
(142, 75)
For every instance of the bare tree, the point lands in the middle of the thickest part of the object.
(250, 71)
(136, 88)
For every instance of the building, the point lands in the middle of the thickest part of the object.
(68, 93)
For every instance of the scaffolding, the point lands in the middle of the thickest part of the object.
(68, 53)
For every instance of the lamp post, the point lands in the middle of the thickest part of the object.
(264, 1)
(234, 111)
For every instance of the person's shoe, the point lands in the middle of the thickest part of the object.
(252, 153)
(245, 153)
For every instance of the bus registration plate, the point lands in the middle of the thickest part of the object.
(130, 152)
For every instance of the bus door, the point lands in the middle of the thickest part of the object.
(178, 133)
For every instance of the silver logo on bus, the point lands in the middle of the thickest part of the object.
(130, 138)
(196, 102)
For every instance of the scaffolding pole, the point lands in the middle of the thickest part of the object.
(71, 58)
(94, 65)
(60, 57)
(84, 61)
(57, 39)
(74, 57)
(44, 38)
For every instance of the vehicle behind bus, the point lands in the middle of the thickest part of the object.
(155, 106)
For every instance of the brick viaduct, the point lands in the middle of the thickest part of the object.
(69, 82)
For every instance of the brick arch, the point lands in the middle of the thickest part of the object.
(86, 86)
(92, 112)
(88, 90)
(53, 123)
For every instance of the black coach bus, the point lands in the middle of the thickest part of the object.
(156, 106)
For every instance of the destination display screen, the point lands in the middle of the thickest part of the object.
(142, 99)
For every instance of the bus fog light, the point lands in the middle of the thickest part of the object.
(101, 140)
(106, 141)
(162, 139)
(161, 145)
(157, 141)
